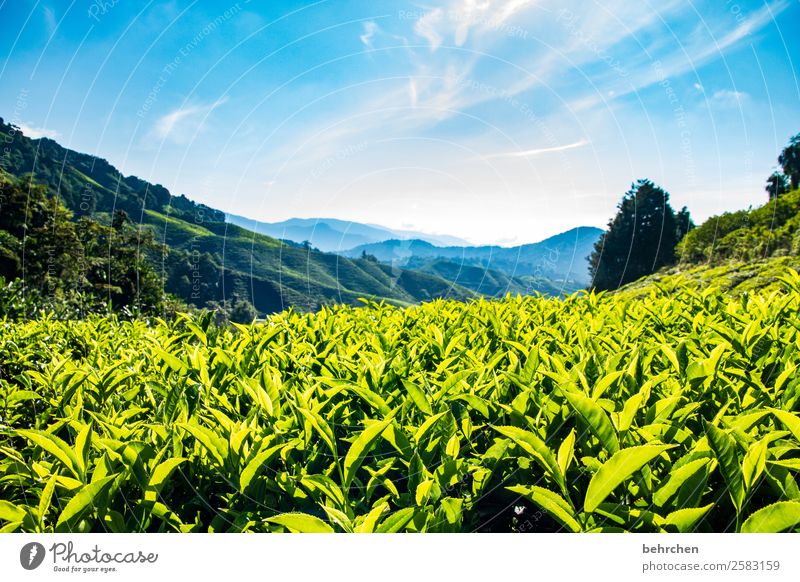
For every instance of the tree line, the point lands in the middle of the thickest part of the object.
(645, 234)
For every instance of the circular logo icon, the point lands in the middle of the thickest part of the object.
(31, 555)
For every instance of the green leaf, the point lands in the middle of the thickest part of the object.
(301, 523)
(566, 452)
(339, 518)
(685, 520)
(370, 520)
(677, 477)
(360, 447)
(629, 411)
(605, 383)
(773, 518)
(21, 395)
(11, 512)
(173, 362)
(397, 521)
(423, 492)
(258, 395)
(724, 447)
(56, 447)
(552, 503)
(214, 444)
(426, 426)
(84, 500)
(476, 403)
(418, 397)
(83, 444)
(327, 486)
(754, 463)
(534, 446)
(258, 462)
(323, 429)
(46, 498)
(617, 469)
(789, 420)
(595, 418)
(452, 509)
(159, 477)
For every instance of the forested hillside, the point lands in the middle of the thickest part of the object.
(190, 249)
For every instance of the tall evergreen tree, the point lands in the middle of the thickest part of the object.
(790, 161)
(777, 184)
(640, 239)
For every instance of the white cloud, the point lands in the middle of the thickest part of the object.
(370, 28)
(412, 92)
(50, 20)
(426, 27)
(727, 98)
(540, 151)
(508, 10)
(184, 122)
(699, 47)
(37, 132)
(463, 18)
(466, 16)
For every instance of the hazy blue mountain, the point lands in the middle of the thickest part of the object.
(335, 235)
(562, 257)
(209, 259)
(492, 283)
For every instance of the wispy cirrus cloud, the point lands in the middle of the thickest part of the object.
(426, 27)
(728, 99)
(704, 42)
(181, 124)
(34, 132)
(536, 152)
(370, 28)
(463, 20)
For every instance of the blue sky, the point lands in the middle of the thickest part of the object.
(499, 121)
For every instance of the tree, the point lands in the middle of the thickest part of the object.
(777, 184)
(243, 311)
(640, 239)
(38, 242)
(117, 263)
(790, 161)
(683, 224)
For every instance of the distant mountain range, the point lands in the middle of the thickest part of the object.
(209, 259)
(214, 256)
(562, 257)
(335, 235)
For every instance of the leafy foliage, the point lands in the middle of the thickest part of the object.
(206, 262)
(640, 239)
(599, 412)
(770, 230)
(789, 159)
(86, 264)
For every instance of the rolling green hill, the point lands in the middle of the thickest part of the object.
(562, 257)
(491, 282)
(737, 252)
(209, 260)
